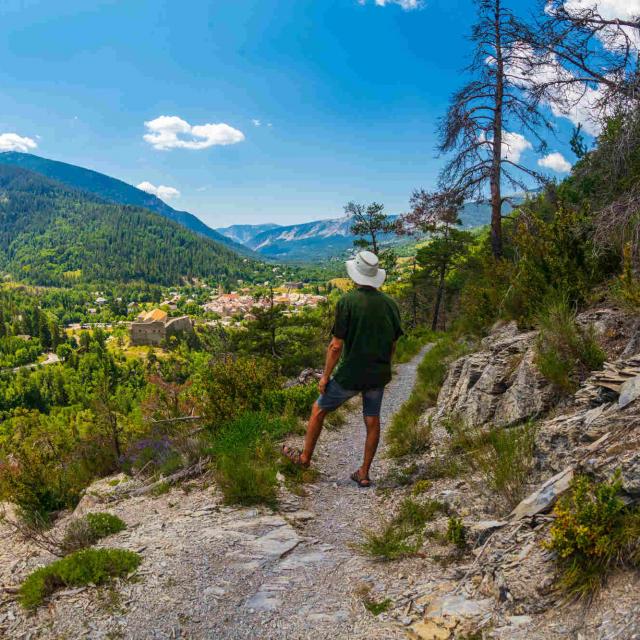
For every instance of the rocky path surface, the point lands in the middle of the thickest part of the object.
(216, 572)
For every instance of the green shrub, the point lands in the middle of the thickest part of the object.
(86, 531)
(406, 434)
(89, 566)
(245, 459)
(249, 476)
(375, 607)
(506, 462)
(456, 533)
(294, 401)
(565, 353)
(504, 457)
(420, 487)
(234, 386)
(594, 532)
(390, 543)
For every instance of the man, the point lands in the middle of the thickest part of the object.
(365, 331)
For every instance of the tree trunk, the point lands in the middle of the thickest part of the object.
(496, 161)
(439, 296)
(374, 243)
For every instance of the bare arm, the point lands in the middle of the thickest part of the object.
(334, 351)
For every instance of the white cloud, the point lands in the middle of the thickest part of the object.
(14, 142)
(556, 162)
(623, 9)
(514, 145)
(172, 132)
(256, 123)
(162, 191)
(407, 5)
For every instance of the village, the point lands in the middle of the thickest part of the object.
(151, 324)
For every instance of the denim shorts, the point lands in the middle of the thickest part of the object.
(335, 396)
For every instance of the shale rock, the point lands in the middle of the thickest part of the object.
(498, 384)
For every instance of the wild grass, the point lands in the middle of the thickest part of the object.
(565, 352)
(89, 566)
(407, 433)
(503, 457)
(402, 535)
(409, 345)
(456, 533)
(594, 532)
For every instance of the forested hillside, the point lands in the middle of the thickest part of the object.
(51, 234)
(112, 190)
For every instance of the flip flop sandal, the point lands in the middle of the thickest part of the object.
(293, 455)
(363, 483)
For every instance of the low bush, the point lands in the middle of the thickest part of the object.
(294, 401)
(565, 353)
(594, 532)
(407, 434)
(86, 531)
(89, 566)
(234, 386)
(375, 607)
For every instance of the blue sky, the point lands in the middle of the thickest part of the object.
(347, 95)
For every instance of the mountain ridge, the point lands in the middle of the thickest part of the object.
(53, 234)
(113, 190)
(329, 238)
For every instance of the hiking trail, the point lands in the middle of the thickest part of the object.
(217, 572)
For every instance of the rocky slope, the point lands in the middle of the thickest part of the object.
(507, 588)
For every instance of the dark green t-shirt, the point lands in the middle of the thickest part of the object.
(369, 323)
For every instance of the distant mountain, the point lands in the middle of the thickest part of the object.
(113, 190)
(244, 233)
(52, 234)
(323, 239)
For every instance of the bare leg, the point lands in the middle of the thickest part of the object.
(371, 444)
(314, 428)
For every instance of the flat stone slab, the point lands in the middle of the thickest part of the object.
(545, 497)
(629, 392)
(458, 606)
(275, 543)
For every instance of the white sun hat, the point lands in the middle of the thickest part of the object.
(364, 270)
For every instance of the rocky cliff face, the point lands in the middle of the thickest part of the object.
(498, 384)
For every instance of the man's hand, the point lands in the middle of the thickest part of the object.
(322, 384)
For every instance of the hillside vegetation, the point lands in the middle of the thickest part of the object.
(51, 234)
(112, 190)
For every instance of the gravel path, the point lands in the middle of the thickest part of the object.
(217, 572)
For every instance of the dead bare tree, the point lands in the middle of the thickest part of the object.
(488, 118)
(578, 55)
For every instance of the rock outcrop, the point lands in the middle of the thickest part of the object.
(498, 384)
